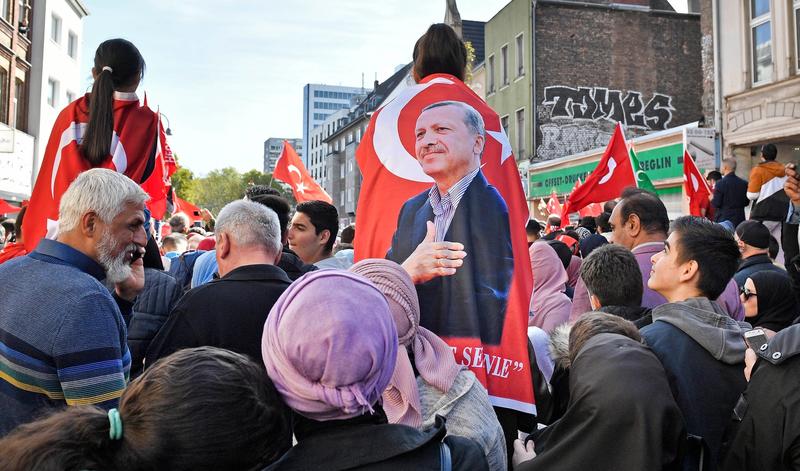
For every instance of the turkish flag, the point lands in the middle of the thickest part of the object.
(695, 185)
(158, 185)
(612, 175)
(6, 208)
(187, 208)
(132, 152)
(290, 170)
(553, 205)
(392, 176)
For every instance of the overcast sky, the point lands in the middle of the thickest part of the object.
(229, 74)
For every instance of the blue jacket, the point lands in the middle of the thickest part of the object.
(752, 264)
(730, 199)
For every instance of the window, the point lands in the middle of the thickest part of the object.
(504, 123)
(341, 197)
(349, 195)
(70, 96)
(55, 28)
(4, 95)
(761, 40)
(520, 57)
(349, 165)
(504, 64)
(72, 45)
(341, 170)
(490, 71)
(52, 92)
(797, 34)
(5, 10)
(20, 102)
(521, 133)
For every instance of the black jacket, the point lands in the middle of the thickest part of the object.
(150, 312)
(767, 433)
(369, 443)
(227, 313)
(640, 316)
(292, 265)
(730, 199)
(753, 264)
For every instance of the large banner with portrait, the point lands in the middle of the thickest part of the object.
(416, 144)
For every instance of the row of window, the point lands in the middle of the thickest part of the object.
(326, 105)
(55, 36)
(504, 64)
(320, 116)
(337, 95)
(761, 38)
(519, 150)
(53, 91)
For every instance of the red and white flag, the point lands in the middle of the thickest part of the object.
(187, 208)
(612, 175)
(132, 152)
(392, 175)
(695, 185)
(158, 185)
(290, 170)
(553, 205)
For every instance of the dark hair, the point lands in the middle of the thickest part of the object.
(323, 216)
(564, 253)
(179, 222)
(440, 50)
(603, 222)
(127, 67)
(533, 227)
(648, 207)
(712, 247)
(589, 223)
(348, 234)
(714, 175)
(608, 206)
(257, 190)
(769, 151)
(15, 227)
(774, 247)
(612, 274)
(595, 323)
(276, 203)
(198, 409)
(554, 220)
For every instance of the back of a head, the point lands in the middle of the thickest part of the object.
(250, 224)
(588, 222)
(533, 227)
(648, 207)
(179, 223)
(612, 274)
(714, 176)
(166, 422)
(754, 233)
(103, 191)
(603, 222)
(117, 64)
(595, 323)
(440, 51)
(554, 221)
(323, 216)
(276, 203)
(608, 206)
(348, 234)
(770, 152)
(712, 248)
(729, 163)
(260, 190)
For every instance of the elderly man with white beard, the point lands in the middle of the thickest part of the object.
(62, 333)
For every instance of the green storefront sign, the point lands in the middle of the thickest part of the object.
(660, 163)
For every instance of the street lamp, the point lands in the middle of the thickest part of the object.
(168, 131)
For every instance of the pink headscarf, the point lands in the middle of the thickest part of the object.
(330, 345)
(550, 307)
(574, 271)
(432, 356)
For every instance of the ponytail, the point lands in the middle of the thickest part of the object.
(117, 64)
(100, 129)
(75, 438)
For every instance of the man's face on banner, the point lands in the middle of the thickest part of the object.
(445, 146)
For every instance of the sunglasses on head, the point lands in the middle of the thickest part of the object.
(746, 293)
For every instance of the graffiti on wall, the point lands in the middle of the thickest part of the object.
(574, 120)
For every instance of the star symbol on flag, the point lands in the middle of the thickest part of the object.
(500, 136)
(301, 187)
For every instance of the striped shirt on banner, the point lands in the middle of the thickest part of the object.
(444, 207)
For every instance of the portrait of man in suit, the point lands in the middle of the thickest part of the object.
(454, 239)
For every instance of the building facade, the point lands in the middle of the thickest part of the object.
(273, 148)
(759, 77)
(319, 102)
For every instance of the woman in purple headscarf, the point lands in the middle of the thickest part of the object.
(549, 306)
(427, 381)
(330, 347)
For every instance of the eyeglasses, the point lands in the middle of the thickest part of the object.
(746, 293)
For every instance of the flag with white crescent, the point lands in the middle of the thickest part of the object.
(392, 176)
(290, 170)
(132, 152)
(695, 186)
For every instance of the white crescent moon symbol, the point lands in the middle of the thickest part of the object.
(695, 184)
(292, 168)
(612, 165)
(386, 140)
(75, 133)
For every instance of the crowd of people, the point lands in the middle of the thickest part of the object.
(251, 339)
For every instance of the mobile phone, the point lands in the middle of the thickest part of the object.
(756, 339)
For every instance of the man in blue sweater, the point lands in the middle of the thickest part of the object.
(700, 345)
(62, 333)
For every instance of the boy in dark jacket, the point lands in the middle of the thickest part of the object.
(701, 347)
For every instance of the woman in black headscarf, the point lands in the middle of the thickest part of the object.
(775, 307)
(621, 413)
